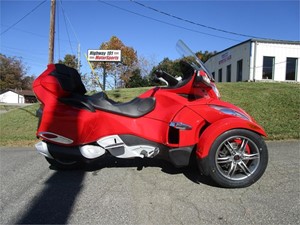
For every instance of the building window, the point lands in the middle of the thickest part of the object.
(228, 73)
(291, 64)
(239, 70)
(220, 75)
(268, 67)
(213, 74)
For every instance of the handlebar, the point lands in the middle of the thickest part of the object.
(172, 81)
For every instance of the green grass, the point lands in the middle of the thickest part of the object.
(18, 126)
(7, 107)
(275, 106)
(126, 94)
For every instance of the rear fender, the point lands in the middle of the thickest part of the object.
(211, 133)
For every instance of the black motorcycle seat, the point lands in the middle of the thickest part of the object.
(71, 82)
(135, 108)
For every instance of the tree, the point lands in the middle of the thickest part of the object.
(27, 82)
(170, 66)
(137, 80)
(204, 56)
(173, 66)
(13, 74)
(118, 70)
(70, 60)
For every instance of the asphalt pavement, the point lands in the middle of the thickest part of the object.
(144, 191)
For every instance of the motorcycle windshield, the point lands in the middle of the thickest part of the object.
(186, 52)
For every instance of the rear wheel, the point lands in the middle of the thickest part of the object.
(237, 158)
(64, 164)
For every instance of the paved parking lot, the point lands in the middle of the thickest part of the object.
(139, 192)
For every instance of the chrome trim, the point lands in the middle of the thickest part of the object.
(42, 148)
(115, 145)
(91, 151)
(231, 112)
(59, 139)
(180, 125)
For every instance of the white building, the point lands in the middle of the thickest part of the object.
(257, 59)
(17, 97)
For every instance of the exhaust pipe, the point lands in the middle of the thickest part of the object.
(91, 151)
(86, 151)
(42, 148)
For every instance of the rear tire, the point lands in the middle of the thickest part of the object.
(64, 164)
(237, 158)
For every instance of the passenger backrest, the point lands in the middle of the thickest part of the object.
(69, 79)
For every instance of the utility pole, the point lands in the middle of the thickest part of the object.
(104, 77)
(52, 32)
(78, 58)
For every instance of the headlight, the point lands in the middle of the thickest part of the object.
(231, 112)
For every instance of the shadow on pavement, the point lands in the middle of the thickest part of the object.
(191, 172)
(54, 204)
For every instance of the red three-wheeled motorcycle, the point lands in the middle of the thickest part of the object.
(184, 119)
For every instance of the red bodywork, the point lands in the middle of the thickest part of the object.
(81, 126)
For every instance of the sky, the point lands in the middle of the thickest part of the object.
(152, 28)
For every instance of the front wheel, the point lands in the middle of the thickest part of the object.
(237, 158)
(64, 164)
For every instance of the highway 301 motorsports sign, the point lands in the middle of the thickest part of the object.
(104, 55)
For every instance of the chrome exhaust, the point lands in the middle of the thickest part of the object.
(86, 151)
(42, 148)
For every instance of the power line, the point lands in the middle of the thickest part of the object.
(72, 28)
(38, 35)
(167, 23)
(194, 23)
(58, 32)
(65, 20)
(31, 11)
(19, 50)
(28, 32)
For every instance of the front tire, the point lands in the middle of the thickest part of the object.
(64, 164)
(237, 158)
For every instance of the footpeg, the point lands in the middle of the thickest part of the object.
(150, 154)
(118, 148)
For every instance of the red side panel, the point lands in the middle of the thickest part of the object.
(67, 122)
(82, 126)
(196, 122)
(47, 88)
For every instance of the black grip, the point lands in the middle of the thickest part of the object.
(159, 73)
(172, 81)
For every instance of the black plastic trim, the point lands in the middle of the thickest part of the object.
(181, 156)
(173, 135)
(64, 152)
(131, 140)
(203, 166)
(39, 114)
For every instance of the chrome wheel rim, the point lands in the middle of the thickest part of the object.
(237, 158)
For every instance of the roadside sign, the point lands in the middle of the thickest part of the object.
(104, 55)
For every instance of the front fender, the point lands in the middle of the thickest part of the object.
(211, 133)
